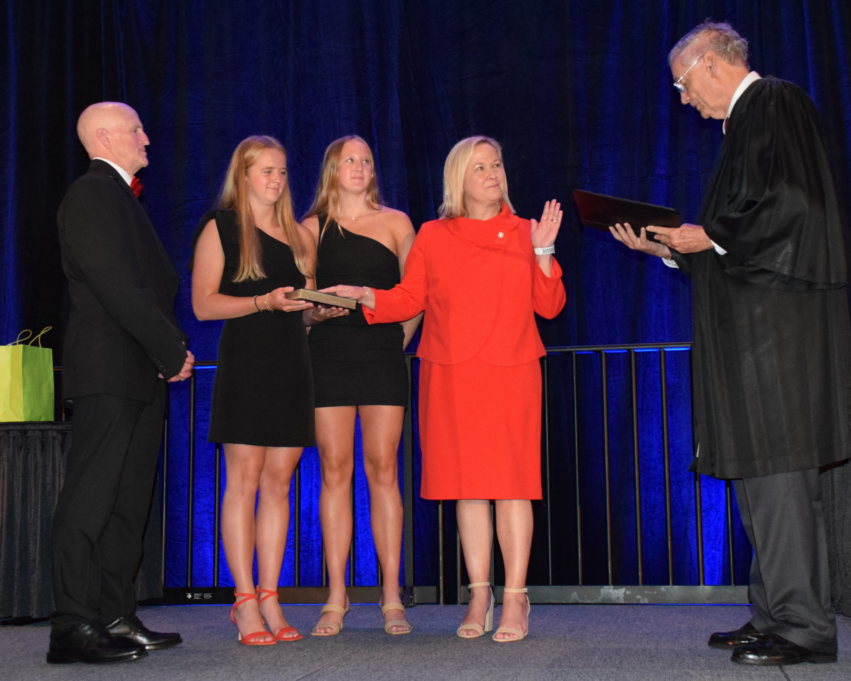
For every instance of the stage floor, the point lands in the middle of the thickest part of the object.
(587, 642)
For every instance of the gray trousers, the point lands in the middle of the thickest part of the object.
(790, 577)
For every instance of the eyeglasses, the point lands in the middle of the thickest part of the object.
(678, 83)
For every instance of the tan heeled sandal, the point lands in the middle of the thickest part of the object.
(395, 623)
(475, 626)
(333, 626)
(511, 630)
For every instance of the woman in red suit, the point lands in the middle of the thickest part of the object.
(480, 273)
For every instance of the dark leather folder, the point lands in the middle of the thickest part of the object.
(599, 211)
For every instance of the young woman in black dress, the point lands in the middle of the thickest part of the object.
(359, 369)
(247, 254)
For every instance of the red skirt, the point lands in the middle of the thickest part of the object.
(480, 430)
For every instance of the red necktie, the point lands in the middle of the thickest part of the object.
(726, 123)
(136, 186)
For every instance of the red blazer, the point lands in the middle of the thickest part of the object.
(480, 286)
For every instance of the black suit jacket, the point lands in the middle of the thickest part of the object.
(121, 331)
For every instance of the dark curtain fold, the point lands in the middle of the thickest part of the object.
(32, 470)
(32, 467)
(578, 92)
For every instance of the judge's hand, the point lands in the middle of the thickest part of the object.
(625, 234)
(544, 233)
(278, 302)
(685, 239)
(186, 371)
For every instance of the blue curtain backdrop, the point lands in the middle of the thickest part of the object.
(578, 92)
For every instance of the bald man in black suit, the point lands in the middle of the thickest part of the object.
(121, 346)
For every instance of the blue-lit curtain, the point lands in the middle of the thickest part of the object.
(578, 92)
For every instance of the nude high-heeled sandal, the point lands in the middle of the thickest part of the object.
(475, 626)
(333, 626)
(395, 623)
(511, 630)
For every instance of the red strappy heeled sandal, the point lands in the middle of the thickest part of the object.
(250, 639)
(283, 630)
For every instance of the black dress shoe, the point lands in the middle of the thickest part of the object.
(131, 630)
(89, 642)
(775, 650)
(725, 640)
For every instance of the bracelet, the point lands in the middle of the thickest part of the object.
(365, 295)
(266, 303)
(546, 250)
(255, 303)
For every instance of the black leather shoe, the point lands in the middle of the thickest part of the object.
(131, 630)
(725, 640)
(89, 642)
(775, 650)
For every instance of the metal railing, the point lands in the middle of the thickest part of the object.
(446, 585)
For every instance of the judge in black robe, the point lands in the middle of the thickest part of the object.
(772, 341)
(771, 357)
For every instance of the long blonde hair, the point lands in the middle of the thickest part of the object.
(453, 205)
(327, 198)
(234, 196)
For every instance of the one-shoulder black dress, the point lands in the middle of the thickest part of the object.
(263, 393)
(355, 364)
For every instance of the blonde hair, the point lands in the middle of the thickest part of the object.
(327, 197)
(234, 196)
(453, 205)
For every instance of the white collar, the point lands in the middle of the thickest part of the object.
(124, 174)
(747, 81)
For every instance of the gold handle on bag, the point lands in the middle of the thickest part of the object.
(33, 339)
(20, 340)
(40, 334)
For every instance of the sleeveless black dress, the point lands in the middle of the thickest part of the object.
(355, 363)
(263, 394)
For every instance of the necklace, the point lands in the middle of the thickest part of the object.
(344, 217)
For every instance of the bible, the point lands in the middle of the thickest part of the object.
(320, 298)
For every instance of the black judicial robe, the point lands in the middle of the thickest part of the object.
(771, 358)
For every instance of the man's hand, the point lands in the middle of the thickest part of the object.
(685, 239)
(186, 371)
(625, 234)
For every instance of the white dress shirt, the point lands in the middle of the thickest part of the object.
(124, 174)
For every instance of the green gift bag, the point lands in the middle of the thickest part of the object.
(26, 380)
